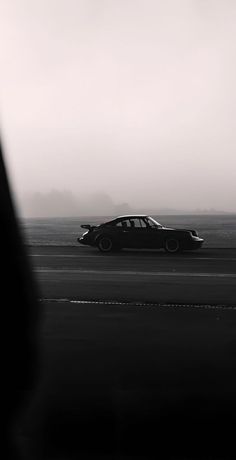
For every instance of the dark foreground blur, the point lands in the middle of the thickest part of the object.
(20, 319)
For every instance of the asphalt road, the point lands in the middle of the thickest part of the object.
(80, 273)
(126, 379)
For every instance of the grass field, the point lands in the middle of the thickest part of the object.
(217, 230)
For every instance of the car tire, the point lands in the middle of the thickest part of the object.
(105, 244)
(172, 245)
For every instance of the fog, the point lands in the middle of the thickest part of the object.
(113, 105)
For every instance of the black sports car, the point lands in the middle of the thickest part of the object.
(138, 231)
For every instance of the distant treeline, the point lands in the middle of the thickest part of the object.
(64, 203)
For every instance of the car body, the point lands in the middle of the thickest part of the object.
(140, 232)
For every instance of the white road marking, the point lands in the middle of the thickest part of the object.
(135, 273)
(142, 304)
(62, 255)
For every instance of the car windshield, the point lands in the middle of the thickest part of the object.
(153, 223)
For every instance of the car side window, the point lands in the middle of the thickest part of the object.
(150, 223)
(126, 223)
(136, 222)
(123, 224)
(142, 222)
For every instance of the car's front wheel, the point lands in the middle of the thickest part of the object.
(172, 245)
(105, 244)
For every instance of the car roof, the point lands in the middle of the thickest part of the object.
(131, 216)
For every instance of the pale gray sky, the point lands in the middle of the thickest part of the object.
(136, 98)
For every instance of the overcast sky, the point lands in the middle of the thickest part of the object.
(135, 98)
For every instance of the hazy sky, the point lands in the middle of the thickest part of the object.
(136, 98)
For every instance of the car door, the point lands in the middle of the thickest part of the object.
(142, 233)
(136, 233)
(139, 233)
(128, 233)
(122, 231)
(153, 235)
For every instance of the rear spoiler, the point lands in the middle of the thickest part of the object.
(88, 226)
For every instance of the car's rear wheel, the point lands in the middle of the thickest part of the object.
(105, 244)
(172, 245)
